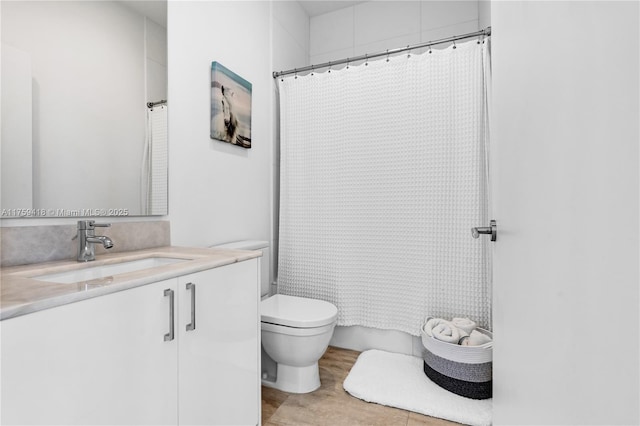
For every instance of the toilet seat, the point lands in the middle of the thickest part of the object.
(295, 331)
(297, 312)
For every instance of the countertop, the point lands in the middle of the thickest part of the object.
(21, 294)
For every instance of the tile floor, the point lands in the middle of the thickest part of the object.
(331, 405)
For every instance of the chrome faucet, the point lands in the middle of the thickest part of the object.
(87, 238)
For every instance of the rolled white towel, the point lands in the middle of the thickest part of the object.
(432, 322)
(464, 324)
(446, 332)
(463, 335)
(476, 339)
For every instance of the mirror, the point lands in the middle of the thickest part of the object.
(78, 138)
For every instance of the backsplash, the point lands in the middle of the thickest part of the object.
(21, 245)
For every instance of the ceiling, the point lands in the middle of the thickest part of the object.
(153, 9)
(157, 10)
(315, 8)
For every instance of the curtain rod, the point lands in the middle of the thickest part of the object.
(152, 104)
(486, 32)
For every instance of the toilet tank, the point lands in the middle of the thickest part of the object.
(264, 262)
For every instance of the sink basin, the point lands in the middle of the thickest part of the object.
(102, 271)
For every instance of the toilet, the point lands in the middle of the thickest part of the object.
(295, 331)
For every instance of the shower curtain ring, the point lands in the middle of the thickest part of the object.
(387, 55)
(329, 71)
(408, 54)
(347, 63)
(366, 59)
(429, 48)
(454, 44)
(295, 70)
(312, 69)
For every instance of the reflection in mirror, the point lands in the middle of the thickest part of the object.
(77, 136)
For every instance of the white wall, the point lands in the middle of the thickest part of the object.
(218, 192)
(17, 146)
(156, 61)
(290, 44)
(484, 13)
(565, 147)
(375, 26)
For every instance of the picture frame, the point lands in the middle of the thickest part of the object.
(230, 107)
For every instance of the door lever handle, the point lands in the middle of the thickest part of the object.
(489, 230)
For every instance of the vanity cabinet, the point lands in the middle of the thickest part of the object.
(219, 379)
(100, 360)
(112, 360)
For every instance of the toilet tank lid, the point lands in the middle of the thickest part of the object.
(298, 312)
(244, 245)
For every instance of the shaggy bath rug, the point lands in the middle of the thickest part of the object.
(397, 380)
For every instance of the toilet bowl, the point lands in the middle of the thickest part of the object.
(295, 331)
(295, 334)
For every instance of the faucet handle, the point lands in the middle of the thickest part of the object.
(90, 224)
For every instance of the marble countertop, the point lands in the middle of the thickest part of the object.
(21, 294)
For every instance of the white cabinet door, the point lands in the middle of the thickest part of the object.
(100, 361)
(218, 358)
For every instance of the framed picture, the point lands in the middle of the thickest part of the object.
(230, 107)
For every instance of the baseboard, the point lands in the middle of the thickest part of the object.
(360, 339)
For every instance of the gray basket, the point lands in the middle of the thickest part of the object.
(463, 370)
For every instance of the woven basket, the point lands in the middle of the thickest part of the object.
(463, 370)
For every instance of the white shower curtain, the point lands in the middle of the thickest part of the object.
(154, 179)
(383, 174)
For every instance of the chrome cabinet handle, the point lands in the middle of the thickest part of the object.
(169, 336)
(489, 230)
(192, 325)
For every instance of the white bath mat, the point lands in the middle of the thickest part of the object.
(398, 380)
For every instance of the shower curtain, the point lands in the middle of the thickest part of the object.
(154, 179)
(383, 174)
